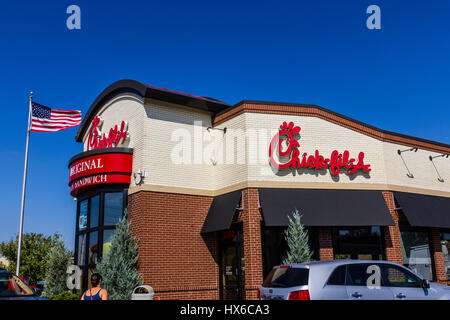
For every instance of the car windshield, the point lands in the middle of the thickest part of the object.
(12, 286)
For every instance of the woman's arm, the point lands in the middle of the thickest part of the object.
(82, 297)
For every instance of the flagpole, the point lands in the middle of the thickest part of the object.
(19, 247)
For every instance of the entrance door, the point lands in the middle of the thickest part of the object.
(232, 264)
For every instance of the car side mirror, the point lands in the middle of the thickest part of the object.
(425, 284)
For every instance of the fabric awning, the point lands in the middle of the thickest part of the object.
(322, 207)
(424, 210)
(221, 212)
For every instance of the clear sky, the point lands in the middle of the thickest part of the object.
(317, 52)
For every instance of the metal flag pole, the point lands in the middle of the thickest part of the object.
(19, 247)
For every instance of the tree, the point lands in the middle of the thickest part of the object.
(56, 276)
(118, 267)
(297, 241)
(34, 255)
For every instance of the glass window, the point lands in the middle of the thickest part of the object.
(113, 208)
(394, 276)
(95, 208)
(82, 220)
(357, 274)
(416, 250)
(362, 243)
(107, 237)
(93, 247)
(81, 249)
(275, 247)
(287, 277)
(445, 241)
(337, 278)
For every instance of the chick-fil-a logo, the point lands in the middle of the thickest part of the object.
(97, 140)
(291, 154)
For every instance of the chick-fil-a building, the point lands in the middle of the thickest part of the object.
(209, 187)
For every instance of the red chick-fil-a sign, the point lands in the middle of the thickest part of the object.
(335, 162)
(97, 140)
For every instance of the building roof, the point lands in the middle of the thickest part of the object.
(148, 91)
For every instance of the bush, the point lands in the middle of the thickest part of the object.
(65, 295)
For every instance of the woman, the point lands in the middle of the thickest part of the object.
(96, 292)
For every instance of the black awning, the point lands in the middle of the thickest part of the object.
(423, 210)
(221, 212)
(322, 207)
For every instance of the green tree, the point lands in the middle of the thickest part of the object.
(34, 256)
(118, 267)
(56, 276)
(297, 241)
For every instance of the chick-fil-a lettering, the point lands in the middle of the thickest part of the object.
(335, 162)
(115, 137)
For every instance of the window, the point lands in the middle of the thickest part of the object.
(394, 276)
(82, 220)
(445, 242)
(274, 246)
(416, 250)
(107, 237)
(361, 243)
(94, 212)
(337, 278)
(93, 247)
(287, 277)
(97, 217)
(357, 274)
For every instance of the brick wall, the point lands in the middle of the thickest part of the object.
(174, 258)
(436, 251)
(251, 217)
(392, 238)
(326, 243)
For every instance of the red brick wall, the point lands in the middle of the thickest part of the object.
(251, 218)
(436, 251)
(392, 233)
(326, 243)
(174, 258)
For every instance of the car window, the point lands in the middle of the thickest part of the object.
(286, 277)
(337, 278)
(358, 274)
(394, 276)
(12, 286)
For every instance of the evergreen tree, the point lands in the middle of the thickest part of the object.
(56, 276)
(297, 240)
(118, 267)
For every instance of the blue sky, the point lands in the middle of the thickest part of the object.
(317, 52)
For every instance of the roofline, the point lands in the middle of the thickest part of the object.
(330, 112)
(147, 91)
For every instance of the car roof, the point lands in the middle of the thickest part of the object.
(335, 262)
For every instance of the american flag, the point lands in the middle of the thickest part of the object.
(45, 119)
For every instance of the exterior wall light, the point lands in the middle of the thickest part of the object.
(409, 174)
(440, 179)
(411, 149)
(211, 128)
(139, 177)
